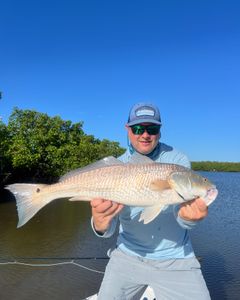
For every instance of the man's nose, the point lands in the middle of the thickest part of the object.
(145, 134)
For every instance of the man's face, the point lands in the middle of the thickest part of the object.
(144, 143)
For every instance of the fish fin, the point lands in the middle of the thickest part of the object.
(159, 185)
(138, 158)
(79, 198)
(105, 162)
(150, 213)
(27, 207)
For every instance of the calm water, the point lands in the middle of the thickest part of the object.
(61, 232)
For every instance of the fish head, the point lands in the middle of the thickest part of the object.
(190, 185)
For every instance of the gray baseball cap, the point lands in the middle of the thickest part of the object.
(144, 113)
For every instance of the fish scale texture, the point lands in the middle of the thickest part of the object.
(130, 185)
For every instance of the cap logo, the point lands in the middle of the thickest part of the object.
(145, 112)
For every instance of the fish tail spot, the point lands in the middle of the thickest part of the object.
(38, 190)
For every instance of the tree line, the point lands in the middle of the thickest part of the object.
(37, 147)
(216, 166)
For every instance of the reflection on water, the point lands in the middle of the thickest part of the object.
(62, 230)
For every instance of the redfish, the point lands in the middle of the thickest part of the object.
(141, 182)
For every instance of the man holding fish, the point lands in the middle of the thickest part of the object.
(155, 251)
(156, 197)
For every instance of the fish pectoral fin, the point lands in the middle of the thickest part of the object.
(159, 185)
(150, 213)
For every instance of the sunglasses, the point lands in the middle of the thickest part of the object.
(140, 129)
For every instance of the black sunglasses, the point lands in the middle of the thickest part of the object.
(140, 129)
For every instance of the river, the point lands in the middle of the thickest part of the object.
(58, 256)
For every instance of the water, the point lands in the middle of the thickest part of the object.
(217, 240)
(61, 232)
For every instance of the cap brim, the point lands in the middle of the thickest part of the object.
(135, 122)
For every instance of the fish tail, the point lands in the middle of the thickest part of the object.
(28, 199)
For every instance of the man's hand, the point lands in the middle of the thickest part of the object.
(103, 211)
(194, 210)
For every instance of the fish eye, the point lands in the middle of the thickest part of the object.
(38, 190)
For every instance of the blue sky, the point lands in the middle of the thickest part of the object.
(92, 60)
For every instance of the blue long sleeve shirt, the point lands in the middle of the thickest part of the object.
(166, 237)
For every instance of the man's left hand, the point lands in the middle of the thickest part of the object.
(194, 210)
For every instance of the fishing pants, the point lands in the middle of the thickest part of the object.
(126, 278)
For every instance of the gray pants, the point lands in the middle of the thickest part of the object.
(127, 277)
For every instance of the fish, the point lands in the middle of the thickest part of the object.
(141, 182)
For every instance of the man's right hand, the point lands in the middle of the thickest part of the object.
(103, 211)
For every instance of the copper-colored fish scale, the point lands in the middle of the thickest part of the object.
(127, 184)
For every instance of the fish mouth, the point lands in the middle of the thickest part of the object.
(211, 195)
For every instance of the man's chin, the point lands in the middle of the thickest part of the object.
(145, 150)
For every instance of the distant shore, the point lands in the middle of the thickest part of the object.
(215, 166)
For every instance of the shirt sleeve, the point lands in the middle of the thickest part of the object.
(182, 159)
(109, 232)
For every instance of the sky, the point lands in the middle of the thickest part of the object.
(92, 60)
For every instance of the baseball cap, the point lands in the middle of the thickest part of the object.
(144, 113)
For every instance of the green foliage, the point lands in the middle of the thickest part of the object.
(40, 146)
(4, 162)
(216, 166)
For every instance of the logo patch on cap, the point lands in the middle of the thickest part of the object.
(145, 112)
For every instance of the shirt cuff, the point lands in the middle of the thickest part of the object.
(108, 233)
(182, 222)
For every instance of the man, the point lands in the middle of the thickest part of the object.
(158, 254)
